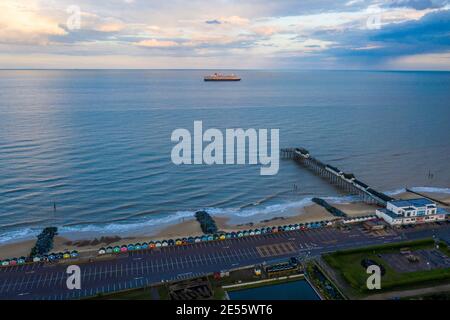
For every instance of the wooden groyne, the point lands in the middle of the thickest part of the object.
(344, 181)
(428, 197)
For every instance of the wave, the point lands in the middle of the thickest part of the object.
(431, 190)
(419, 189)
(154, 222)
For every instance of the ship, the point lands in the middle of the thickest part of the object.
(222, 77)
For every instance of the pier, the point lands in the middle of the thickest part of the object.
(344, 181)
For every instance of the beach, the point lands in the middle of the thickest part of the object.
(190, 227)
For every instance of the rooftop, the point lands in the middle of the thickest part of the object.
(420, 202)
(390, 213)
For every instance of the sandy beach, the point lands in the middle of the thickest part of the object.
(190, 227)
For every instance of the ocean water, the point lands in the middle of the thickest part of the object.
(97, 143)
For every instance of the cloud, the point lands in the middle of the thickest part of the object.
(95, 22)
(215, 21)
(425, 37)
(417, 4)
(22, 22)
(155, 43)
(319, 31)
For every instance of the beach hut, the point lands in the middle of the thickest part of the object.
(13, 262)
(101, 251)
(137, 246)
(36, 259)
(123, 248)
(5, 263)
(171, 242)
(66, 255)
(116, 249)
(257, 232)
(74, 253)
(240, 234)
(251, 232)
(222, 237)
(130, 247)
(109, 250)
(144, 246)
(197, 239)
(51, 257)
(228, 235)
(210, 237)
(178, 242)
(233, 235)
(21, 260)
(215, 236)
(151, 245)
(190, 240)
(158, 244)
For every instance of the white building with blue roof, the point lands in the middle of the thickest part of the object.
(412, 211)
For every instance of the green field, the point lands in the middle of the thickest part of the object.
(348, 263)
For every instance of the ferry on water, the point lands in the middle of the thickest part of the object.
(222, 77)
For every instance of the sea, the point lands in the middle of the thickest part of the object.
(89, 151)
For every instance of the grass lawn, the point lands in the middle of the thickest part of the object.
(348, 263)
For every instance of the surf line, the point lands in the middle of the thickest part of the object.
(189, 150)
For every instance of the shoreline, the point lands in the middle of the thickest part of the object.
(190, 227)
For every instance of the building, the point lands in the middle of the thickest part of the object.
(412, 211)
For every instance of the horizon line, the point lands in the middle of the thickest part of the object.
(216, 69)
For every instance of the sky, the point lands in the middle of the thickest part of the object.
(226, 34)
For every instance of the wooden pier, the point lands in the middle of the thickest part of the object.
(344, 181)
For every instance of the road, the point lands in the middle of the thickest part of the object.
(137, 269)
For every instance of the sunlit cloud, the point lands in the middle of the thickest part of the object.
(21, 22)
(155, 43)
